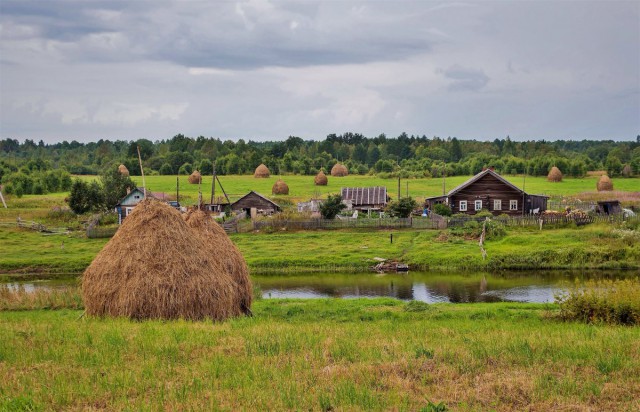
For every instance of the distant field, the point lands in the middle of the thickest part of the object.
(302, 187)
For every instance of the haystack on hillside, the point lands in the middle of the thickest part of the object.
(215, 242)
(262, 171)
(320, 179)
(604, 184)
(339, 170)
(123, 170)
(626, 170)
(280, 188)
(195, 178)
(555, 175)
(150, 269)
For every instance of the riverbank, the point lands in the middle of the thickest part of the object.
(596, 246)
(364, 354)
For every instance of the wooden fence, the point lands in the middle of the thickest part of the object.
(314, 224)
(38, 227)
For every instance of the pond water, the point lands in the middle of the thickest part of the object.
(431, 287)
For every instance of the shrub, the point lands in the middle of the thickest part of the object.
(603, 301)
(442, 210)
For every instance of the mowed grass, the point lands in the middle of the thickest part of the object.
(302, 187)
(377, 354)
(587, 247)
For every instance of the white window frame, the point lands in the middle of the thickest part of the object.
(127, 210)
(477, 205)
(463, 205)
(513, 205)
(497, 204)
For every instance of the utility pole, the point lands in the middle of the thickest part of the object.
(399, 194)
(444, 191)
(213, 183)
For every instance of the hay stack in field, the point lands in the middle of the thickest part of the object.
(262, 171)
(195, 178)
(150, 269)
(123, 170)
(339, 170)
(626, 170)
(321, 179)
(555, 175)
(604, 184)
(280, 188)
(216, 243)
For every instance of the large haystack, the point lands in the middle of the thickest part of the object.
(339, 170)
(626, 170)
(604, 184)
(123, 170)
(195, 178)
(280, 188)
(321, 179)
(262, 171)
(555, 175)
(216, 243)
(151, 269)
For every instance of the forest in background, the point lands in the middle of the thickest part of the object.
(37, 168)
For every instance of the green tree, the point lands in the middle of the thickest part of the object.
(85, 197)
(332, 206)
(166, 169)
(114, 188)
(402, 207)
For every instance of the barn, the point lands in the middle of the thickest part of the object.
(489, 191)
(365, 198)
(254, 203)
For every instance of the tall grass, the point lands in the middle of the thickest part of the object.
(603, 301)
(18, 298)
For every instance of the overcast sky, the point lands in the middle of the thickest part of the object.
(264, 70)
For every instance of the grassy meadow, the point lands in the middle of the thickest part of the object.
(364, 354)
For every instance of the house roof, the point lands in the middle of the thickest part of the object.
(480, 175)
(259, 195)
(365, 195)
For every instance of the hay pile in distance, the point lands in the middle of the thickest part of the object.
(195, 178)
(280, 188)
(151, 269)
(320, 179)
(626, 170)
(339, 170)
(123, 170)
(555, 175)
(604, 184)
(216, 243)
(262, 171)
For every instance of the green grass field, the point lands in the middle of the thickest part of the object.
(302, 187)
(587, 247)
(321, 355)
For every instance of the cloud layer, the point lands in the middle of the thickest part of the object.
(266, 70)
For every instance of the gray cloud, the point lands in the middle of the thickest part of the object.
(260, 69)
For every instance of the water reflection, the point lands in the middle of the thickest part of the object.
(431, 287)
(540, 287)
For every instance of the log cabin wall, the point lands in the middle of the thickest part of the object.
(253, 200)
(487, 189)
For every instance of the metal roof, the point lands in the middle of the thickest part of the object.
(376, 195)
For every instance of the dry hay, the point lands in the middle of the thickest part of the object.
(262, 171)
(216, 243)
(195, 178)
(626, 170)
(604, 184)
(280, 188)
(151, 269)
(320, 179)
(123, 170)
(555, 175)
(339, 170)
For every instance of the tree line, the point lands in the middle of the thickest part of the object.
(25, 166)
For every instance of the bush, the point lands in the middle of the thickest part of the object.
(166, 169)
(442, 209)
(402, 207)
(604, 301)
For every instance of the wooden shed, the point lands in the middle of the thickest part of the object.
(131, 199)
(365, 198)
(489, 191)
(254, 203)
(609, 207)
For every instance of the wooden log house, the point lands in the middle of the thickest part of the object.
(489, 191)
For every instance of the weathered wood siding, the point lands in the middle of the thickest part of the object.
(252, 200)
(488, 189)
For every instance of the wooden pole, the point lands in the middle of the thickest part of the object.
(444, 191)
(399, 194)
(213, 183)
(178, 189)
(3, 202)
(144, 191)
